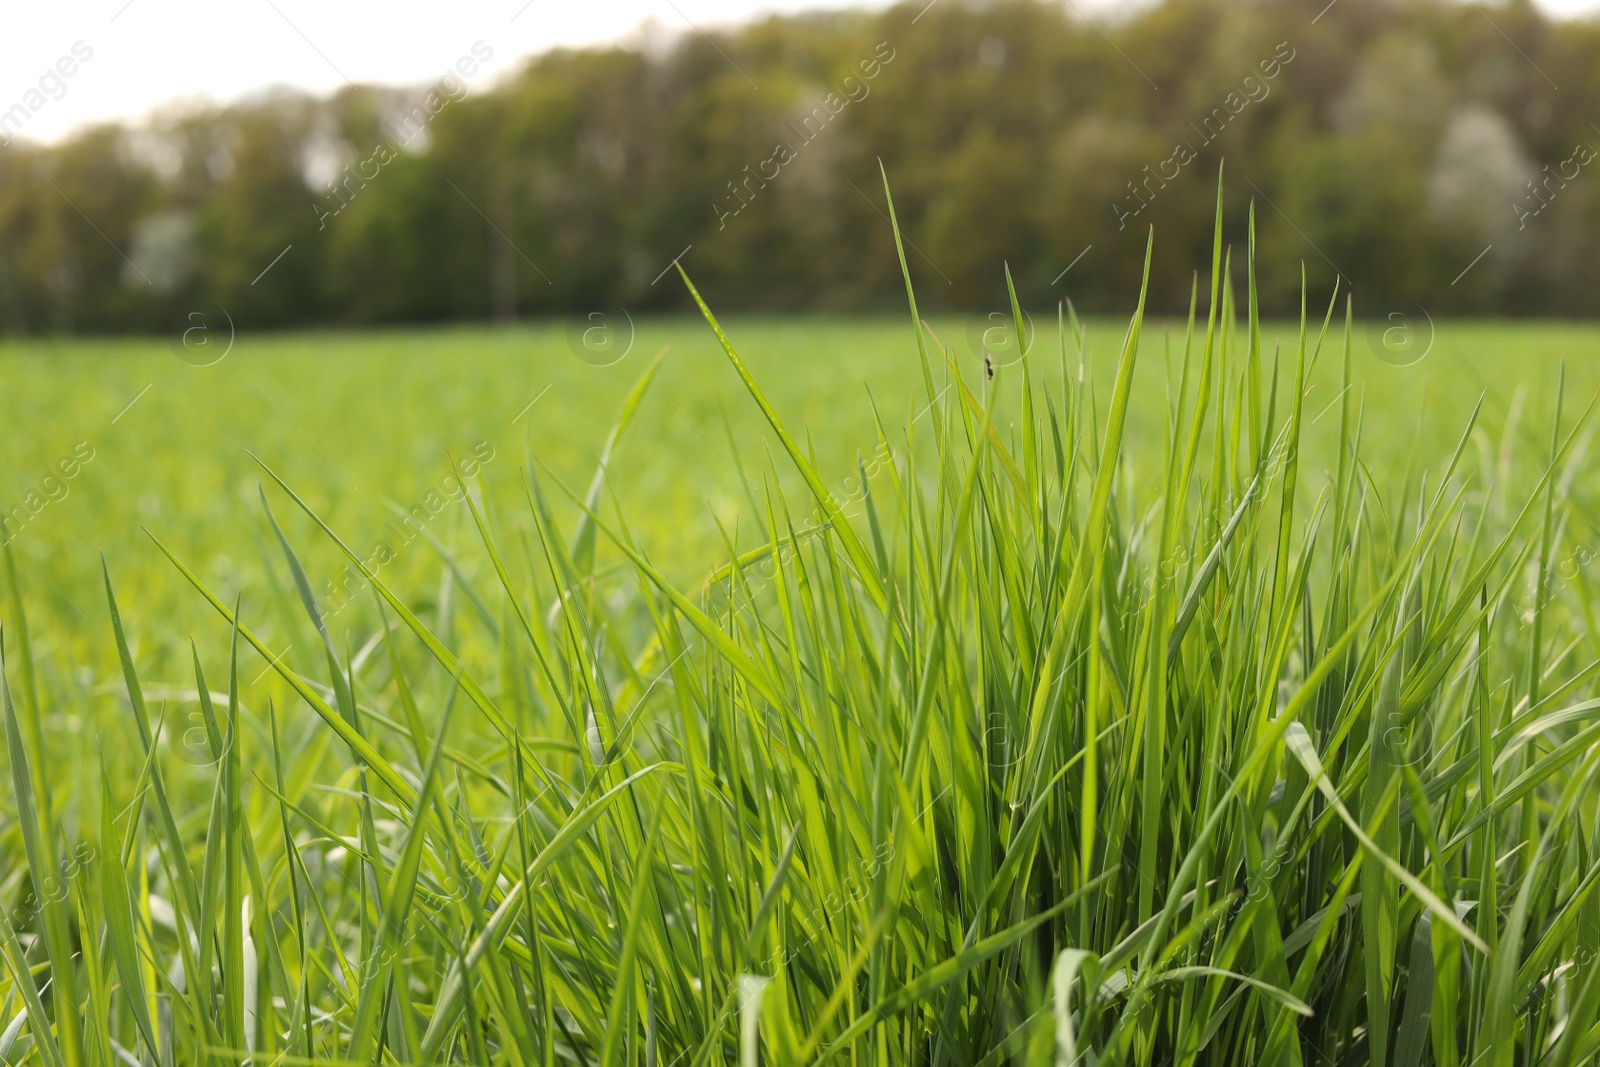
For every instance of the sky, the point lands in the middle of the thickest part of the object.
(73, 63)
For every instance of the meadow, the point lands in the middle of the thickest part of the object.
(362, 422)
(1157, 701)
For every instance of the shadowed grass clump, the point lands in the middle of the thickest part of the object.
(1021, 753)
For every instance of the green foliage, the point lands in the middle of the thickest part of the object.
(1395, 140)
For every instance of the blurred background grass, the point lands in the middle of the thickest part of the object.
(356, 420)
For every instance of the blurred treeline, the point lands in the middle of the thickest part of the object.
(1395, 139)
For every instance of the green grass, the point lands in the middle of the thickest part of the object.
(388, 407)
(1138, 715)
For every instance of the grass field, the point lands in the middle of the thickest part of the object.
(358, 420)
(1142, 714)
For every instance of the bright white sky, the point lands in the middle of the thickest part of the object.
(149, 52)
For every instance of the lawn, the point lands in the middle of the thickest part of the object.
(356, 421)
